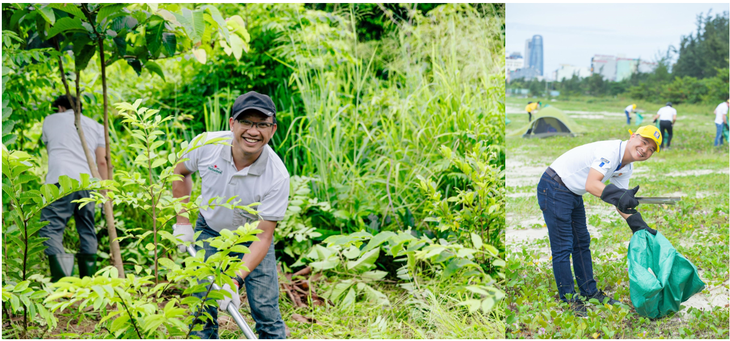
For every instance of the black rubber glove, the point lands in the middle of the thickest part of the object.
(636, 223)
(623, 199)
(654, 120)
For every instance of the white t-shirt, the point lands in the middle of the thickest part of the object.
(604, 156)
(720, 111)
(667, 113)
(65, 154)
(266, 181)
(630, 108)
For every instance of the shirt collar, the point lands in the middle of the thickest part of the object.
(257, 167)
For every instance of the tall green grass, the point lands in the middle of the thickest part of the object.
(368, 137)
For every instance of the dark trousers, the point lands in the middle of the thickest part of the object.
(666, 126)
(628, 117)
(565, 217)
(57, 215)
(529, 117)
(262, 289)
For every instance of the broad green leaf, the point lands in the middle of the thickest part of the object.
(374, 275)
(237, 46)
(68, 8)
(377, 240)
(454, 266)
(65, 25)
(155, 68)
(153, 35)
(47, 13)
(169, 43)
(109, 9)
(476, 240)
(487, 304)
(365, 262)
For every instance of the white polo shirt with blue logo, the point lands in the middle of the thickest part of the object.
(603, 156)
(265, 181)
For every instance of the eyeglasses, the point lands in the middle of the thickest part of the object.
(259, 125)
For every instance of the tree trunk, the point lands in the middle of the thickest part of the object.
(116, 252)
(116, 256)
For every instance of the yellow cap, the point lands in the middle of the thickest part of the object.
(650, 132)
(634, 105)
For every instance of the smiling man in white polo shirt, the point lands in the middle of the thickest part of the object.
(250, 169)
(581, 170)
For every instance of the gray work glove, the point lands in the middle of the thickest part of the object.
(233, 298)
(636, 223)
(183, 232)
(623, 199)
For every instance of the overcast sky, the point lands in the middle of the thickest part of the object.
(573, 33)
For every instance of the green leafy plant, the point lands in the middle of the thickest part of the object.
(143, 309)
(21, 245)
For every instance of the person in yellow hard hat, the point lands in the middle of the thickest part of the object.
(531, 109)
(630, 109)
(586, 169)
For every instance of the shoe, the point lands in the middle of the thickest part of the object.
(62, 265)
(578, 308)
(87, 264)
(601, 297)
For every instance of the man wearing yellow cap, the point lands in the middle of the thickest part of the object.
(581, 170)
(630, 109)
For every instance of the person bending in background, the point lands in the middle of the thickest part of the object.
(531, 109)
(630, 109)
(581, 170)
(720, 121)
(667, 117)
(66, 157)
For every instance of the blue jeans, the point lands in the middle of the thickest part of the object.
(718, 136)
(565, 217)
(628, 117)
(262, 289)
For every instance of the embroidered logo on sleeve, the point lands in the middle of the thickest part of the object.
(604, 162)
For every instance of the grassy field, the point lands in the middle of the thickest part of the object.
(697, 226)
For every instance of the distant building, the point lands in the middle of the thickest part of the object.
(514, 62)
(618, 68)
(533, 53)
(567, 71)
(524, 73)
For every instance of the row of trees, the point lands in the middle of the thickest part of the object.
(699, 75)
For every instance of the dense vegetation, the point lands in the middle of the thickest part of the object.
(394, 142)
(699, 75)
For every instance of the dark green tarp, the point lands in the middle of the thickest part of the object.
(660, 278)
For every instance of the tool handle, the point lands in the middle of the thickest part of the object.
(231, 309)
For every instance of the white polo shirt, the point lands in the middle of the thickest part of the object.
(630, 108)
(265, 181)
(667, 113)
(720, 111)
(65, 154)
(603, 156)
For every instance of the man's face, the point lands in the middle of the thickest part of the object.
(247, 137)
(641, 148)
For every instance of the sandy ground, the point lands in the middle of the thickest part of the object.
(524, 172)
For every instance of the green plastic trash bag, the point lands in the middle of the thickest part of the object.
(660, 279)
(639, 119)
(726, 132)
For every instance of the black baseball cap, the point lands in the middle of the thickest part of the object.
(669, 104)
(253, 100)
